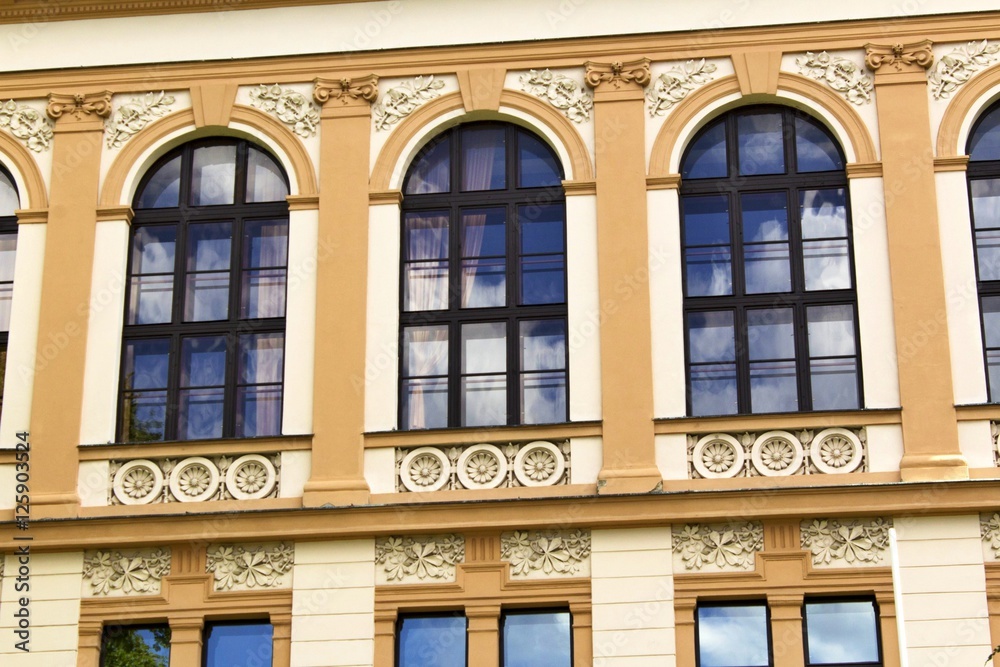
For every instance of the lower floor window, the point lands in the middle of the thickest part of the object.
(135, 646)
(841, 633)
(237, 644)
(431, 641)
(536, 639)
(718, 625)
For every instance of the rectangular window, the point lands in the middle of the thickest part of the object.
(536, 639)
(841, 633)
(718, 625)
(132, 645)
(431, 641)
(241, 643)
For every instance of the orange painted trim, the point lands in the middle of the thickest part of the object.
(19, 160)
(978, 412)
(953, 163)
(32, 216)
(961, 106)
(183, 448)
(476, 434)
(767, 422)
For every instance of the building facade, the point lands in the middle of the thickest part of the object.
(428, 333)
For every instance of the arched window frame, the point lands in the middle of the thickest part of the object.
(237, 326)
(797, 298)
(513, 313)
(8, 253)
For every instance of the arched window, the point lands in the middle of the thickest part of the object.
(984, 198)
(483, 293)
(770, 309)
(204, 334)
(9, 203)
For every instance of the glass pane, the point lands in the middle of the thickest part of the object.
(711, 337)
(823, 213)
(6, 294)
(8, 251)
(831, 331)
(542, 228)
(209, 246)
(709, 271)
(144, 416)
(484, 282)
(719, 626)
(151, 299)
(706, 220)
(988, 254)
(9, 201)
(484, 347)
(991, 320)
(765, 217)
(259, 411)
(537, 640)
(425, 403)
(484, 400)
(426, 283)
(814, 148)
(213, 177)
(713, 389)
(841, 632)
(543, 279)
(134, 646)
(484, 159)
(834, 384)
(761, 144)
(425, 351)
(426, 235)
(770, 334)
(237, 644)
(537, 166)
(543, 398)
(431, 171)
(265, 180)
(767, 268)
(985, 141)
(484, 232)
(985, 202)
(543, 345)
(163, 189)
(147, 363)
(773, 386)
(263, 294)
(432, 641)
(425, 286)
(200, 414)
(203, 361)
(993, 372)
(206, 297)
(261, 358)
(706, 157)
(826, 265)
(265, 243)
(153, 249)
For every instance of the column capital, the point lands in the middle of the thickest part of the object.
(901, 57)
(82, 106)
(347, 92)
(632, 75)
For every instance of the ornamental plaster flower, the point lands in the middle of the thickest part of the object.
(427, 561)
(856, 545)
(718, 456)
(723, 548)
(551, 555)
(258, 570)
(134, 575)
(194, 480)
(425, 470)
(836, 451)
(991, 531)
(539, 464)
(251, 477)
(138, 482)
(482, 467)
(777, 454)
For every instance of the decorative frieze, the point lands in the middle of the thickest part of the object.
(483, 466)
(561, 92)
(79, 105)
(130, 118)
(618, 73)
(717, 547)
(546, 553)
(418, 559)
(26, 124)
(119, 573)
(989, 528)
(676, 83)
(843, 75)
(240, 567)
(846, 542)
(195, 479)
(954, 69)
(777, 453)
(289, 106)
(400, 101)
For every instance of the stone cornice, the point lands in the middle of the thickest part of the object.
(66, 10)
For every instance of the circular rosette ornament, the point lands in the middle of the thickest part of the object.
(138, 482)
(836, 451)
(194, 479)
(482, 467)
(425, 469)
(251, 477)
(539, 463)
(777, 454)
(718, 456)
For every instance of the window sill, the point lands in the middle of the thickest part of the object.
(183, 448)
(978, 411)
(780, 421)
(477, 434)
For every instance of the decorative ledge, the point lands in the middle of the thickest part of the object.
(122, 573)
(546, 554)
(243, 567)
(846, 542)
(719, 547)
(194, 479)
(483, 466)
(418, 559)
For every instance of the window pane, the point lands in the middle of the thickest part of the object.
(761, 144)
(985, 141)
(713, 389)
(153, 249)
(718, 627)
(265, 243)
(834, 384)
(258, 411)
(8, 250)
(985, 216)
(543, 280)
(144, 416)
(771, 334)
(711, 337)
(706, 158)
(163, 189)
(543, 394)
(425, 403)
(203, 361)
(209, 246)
(831, 331)
(773, 382)
(9, 201)
(543, 345)
(213, 177)
(484, 232)
(135, 646)
(147, 363)
(484, 159)
(209, 251)
(151, 296)
(484, 281)
(767, 268)
(814, 148)
(823, 213)
(484, 347)
(432, 641)
(426, 283)
(773, 386)
(237, 644)
(706, 220)
(826, 265)
(265, 181)
(841, 632)
(537, 640)
(542, 228)
(709, 271)
(991, 332)
(259, 407)
(765, 217)
(426, 235)
(543, 398)
(431, 171)
(765, 220)
(263, 294)
(150, 299)
(207, 297)
(537, 165)
(993, 372)
(484, 400)
(425, 351)
(261, 358)
(200, 413)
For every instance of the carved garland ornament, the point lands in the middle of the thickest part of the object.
(125, 573)
(725, 546)
(842, 543)
(841, 74)
(482, 466)
(545, 553)
(776, 453)
(561, 92)
(989, 528)
(242, 567)
(26, 124)
(954, 69)
(400, 101)
(291, 108)
(195, 479)
(133, 116)
(414, 559)
(674, 85)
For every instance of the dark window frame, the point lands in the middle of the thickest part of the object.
(754, 602)
(8, 225)
(833, 600)
(210, 623)
(401, 617)
(454, 317)
(182, 217)
(518, 611)
(109, 627)
(733, 185)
